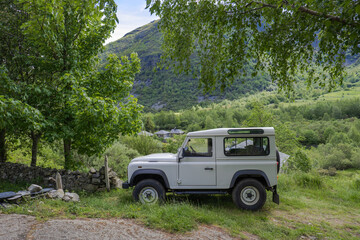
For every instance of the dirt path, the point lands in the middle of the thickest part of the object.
(18, 227)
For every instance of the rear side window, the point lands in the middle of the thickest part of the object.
(246, 146)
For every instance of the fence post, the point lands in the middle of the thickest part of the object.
(58, 181)
(107, 174)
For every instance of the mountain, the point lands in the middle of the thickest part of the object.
(164, 90)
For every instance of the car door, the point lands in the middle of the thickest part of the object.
(197, 167)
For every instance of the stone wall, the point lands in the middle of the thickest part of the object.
(92, 181)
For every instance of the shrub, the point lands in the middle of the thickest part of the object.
(355, 158)
(329, 172)
(300, 161)
(173, 144)
(337, 159)
(310, 138)
(340, 156)
(119, 156)
(143, 144)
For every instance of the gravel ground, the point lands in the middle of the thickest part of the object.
(17, 227)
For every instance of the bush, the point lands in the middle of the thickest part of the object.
(173, 144)
(328, 172)
(340, 156)
(310, 138)
(337, 159)
(143, 144)
(119, 156)
(300, 161)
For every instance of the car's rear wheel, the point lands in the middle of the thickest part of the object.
(249, 194)
(149, 191)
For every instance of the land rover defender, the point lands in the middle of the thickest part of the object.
(243, 162)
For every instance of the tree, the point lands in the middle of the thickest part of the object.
(84, 107)
(259, 117)
(284, 37)
(18, 78)
(149, 124)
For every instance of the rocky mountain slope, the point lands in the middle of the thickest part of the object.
(164, 90)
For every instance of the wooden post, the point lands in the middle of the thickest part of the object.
(58, 181)
(107, 174)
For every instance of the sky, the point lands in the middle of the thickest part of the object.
(131, 14)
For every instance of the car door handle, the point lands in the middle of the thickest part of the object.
(208, 168)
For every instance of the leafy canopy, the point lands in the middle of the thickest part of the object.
(57, 84)
(284, 37)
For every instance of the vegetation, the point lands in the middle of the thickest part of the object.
(63, 107)
(163, 89)
(285, 38)
(311, 206)
(50, 78)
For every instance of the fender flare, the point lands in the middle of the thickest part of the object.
(249, 173)
(149, 172)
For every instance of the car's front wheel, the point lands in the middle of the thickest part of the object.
(249, 194)
(149, 191)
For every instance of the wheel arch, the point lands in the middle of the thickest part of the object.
(256, 174)
(156, 174)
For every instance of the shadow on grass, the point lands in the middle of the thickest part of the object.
(207, 201)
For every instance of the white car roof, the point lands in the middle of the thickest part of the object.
(268, 131)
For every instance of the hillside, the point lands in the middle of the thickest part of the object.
(164, 90)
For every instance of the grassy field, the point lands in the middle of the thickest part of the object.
(312, 206)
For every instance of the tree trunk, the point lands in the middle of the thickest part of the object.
(2, 145)
(35, 137)
(67, 153)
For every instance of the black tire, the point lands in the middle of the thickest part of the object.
(149, 191)
(249, 194)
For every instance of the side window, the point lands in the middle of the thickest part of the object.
(198, 147)
(238, 146)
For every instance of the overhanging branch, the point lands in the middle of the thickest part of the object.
(308, 11)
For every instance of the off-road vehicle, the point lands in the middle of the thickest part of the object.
(243, 162)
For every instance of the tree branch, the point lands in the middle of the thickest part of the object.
(306, 10)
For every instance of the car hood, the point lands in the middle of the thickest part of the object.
(156, 157)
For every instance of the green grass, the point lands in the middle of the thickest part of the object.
(311, 206)
(339, 95)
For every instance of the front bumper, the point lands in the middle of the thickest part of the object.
(125, 185)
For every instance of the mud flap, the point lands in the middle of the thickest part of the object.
(276, 198)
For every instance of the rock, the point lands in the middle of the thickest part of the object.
(90, 187)
(73, 197)
(119, 183)
(66, 198)
(34, 188)
(92, 170)
(96, 175)
(96, 181)
(5, 205)
(102, 170)
(112, 174)
(55, 194)
(23, 193)
(103, 189)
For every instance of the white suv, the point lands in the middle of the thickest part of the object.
(243, 162)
